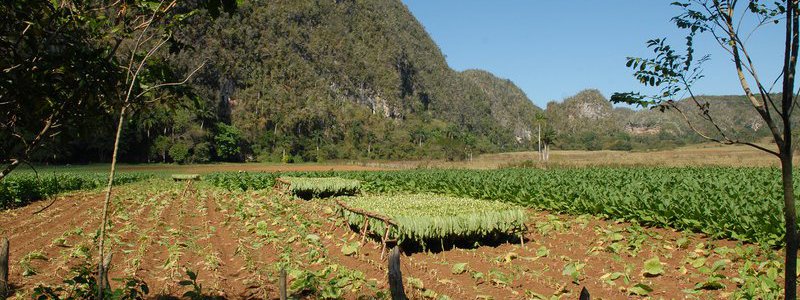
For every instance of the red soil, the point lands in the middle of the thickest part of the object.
(159, 232)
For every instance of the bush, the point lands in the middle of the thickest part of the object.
(227, 141)
(21, 189)
(180, 151)
(201, 153)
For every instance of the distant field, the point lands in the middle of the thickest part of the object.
(167, 169)
(696, 155)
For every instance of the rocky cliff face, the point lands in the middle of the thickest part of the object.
(509, 105)
(315, 68)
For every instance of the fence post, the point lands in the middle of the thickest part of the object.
(5, 288)
(282, 284)
(585, 294)
(395, 276)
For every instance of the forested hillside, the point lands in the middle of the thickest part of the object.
(290, 81)
(310, 81)
(587, 121)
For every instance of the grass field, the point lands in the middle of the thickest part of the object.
(237, 234)
(696, 155)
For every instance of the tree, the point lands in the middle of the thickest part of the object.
(675, 73)
(52, 74)
(160, 147)
(227, 141)
(66, 59)
(540, 119)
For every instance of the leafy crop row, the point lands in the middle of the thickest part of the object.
(740, 203)
(314, 187)
(21, 189)
(422, 217)
(242, 180)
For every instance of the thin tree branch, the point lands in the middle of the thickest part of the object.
(710, 138)
(760, 107)
(172, 83)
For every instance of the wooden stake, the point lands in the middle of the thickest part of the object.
(5, 287)
(188, 186)
(383, 241)
(395, 276)
(283, 284)
(364, 231)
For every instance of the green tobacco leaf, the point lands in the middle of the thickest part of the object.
(477, 275)
(573, 270)
(640, 289)
(350, 249)
(710, 284)
(312, 237)
(415, 282)
(542, 252)
(459, 268)
(653, 267)
(699, 262)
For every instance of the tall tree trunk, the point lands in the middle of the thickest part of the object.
(539, 143)
(100, 267)
(790, 217)
(787, 99)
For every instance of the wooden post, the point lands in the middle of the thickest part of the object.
(5, 287)
(366, 228)
(584, 294)
(395, 276)
(188, 186)
(384, 240)
(282, 284)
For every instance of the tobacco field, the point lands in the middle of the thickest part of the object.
(658, 233)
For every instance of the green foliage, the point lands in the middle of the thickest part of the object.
(349, 249)
(573, 270)
(160, 148)
(722, 202)
(640, 289)
(63, 77)
(458, 268)
(21, 189)
(369, 84)
(180, 151)
(330, 282)
(307, 187)
(196, 291)
(653, 267)
(226, 141)
(83, 285)
(201, 153)
(426, 217)
(242, 180)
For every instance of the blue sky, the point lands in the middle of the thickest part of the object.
(554, 49)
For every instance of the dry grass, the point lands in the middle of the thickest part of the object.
(695, 155)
